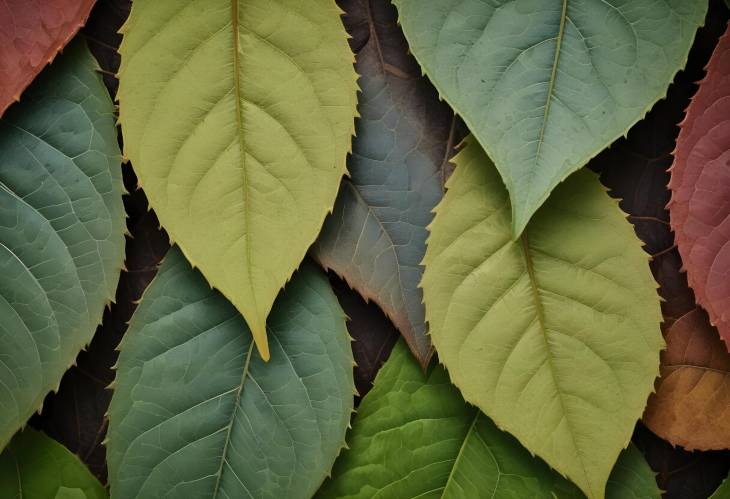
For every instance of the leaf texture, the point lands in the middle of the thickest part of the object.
(691, 406)
(555, 336)
(196, 415)
(376, 236)
(34, 466)
(545, 86)
(414, 436)
(700, 184)
(32, 32)
(61, 229)
(237, 116)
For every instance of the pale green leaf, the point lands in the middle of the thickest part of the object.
(414, 436)
(34, 466)
(546, 85)
(61, 229)
(195, 415)
(237, 117)
(376, 236)
(555, 335)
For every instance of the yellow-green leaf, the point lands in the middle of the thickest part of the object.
(555, 335)
(237, 117)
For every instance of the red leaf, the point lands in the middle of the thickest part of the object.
(32, 32)
(691, 406)
(700, 183)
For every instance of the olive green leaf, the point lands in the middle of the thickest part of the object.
(723, 491)
(34, 466)
(61, 229)
(414, 436)
(555, 335)
(195, 415)
(545, 86)
(237, 116)
(376, 236)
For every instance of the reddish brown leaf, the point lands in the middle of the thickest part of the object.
(700, 184)
(32, 32)
(691, 406)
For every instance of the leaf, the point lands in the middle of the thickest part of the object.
(682, 474)
(102, 34)
(237, 117)
(373, 336)
(195, 415)
(691, 406)
(32, 32)
(61, 229)
(723, 492)
(555, 336)
(376, 237)
(34, 466)
(700, 184)
(414, 436)
(76, 415)
(545, 86)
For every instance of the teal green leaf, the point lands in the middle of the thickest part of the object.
(555, 335)
(376, 236)
(195, 415)
(723, 491)
(61, 229)
(34, 466)
(545, 86)
(237, 116)
(414, 436)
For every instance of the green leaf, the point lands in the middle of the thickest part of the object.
(195, 415)
(34, 466)
(545, 86)
(237, 116)
(61, 229)
(414, 436)
(723, 491)
(376, 236)
(555, 335)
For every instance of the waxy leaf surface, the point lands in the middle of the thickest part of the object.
(61, 229)
(196, 414)
(555, 335)
(700, 184)
(34, 466)
(237, 116)
(691, 406)
(414, 436)
(376, 237)
(31, 34)
(545, 86)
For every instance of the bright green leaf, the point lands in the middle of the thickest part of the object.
(376, 236)
(195, 415)
(414, 436)
(237, 116)
(61, 229)
(555, 336)
(34, 466)
(545, 86)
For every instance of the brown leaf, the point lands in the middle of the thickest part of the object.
(691, 406)
(700, 184)
(32, 32)
(373, 335)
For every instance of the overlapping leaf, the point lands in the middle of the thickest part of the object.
(34, 466)
(237, 116)
(700, 184)
(691, 406)
(544, 86)
(376, 236)
(414, 436)
(31, 34)
(196, 414)
(555, 335)
(61, 229)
